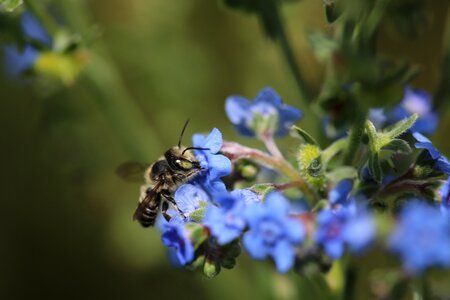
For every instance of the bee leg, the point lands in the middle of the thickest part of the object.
(172, 201)
(164, 208)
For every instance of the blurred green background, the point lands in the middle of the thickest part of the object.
(66, 228)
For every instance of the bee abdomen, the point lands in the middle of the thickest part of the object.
(147, 217)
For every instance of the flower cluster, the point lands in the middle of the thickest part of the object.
(342, 211)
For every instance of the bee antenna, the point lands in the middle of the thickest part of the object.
(182, 132)
(193, 148)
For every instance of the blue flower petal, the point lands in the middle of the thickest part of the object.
(277, 205)
(219, 166)
(255, 246)
(33, 29)
(268, 95)
(295, 231)
(188, 198)
(17, 62)
(283, 256)
(334, 249)
(236, 108)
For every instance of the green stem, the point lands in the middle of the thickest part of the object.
(354, 139)
(235, 151)
(272, 20)
(293, 65)
(39, 11)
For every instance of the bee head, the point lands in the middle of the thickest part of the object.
(180, 159)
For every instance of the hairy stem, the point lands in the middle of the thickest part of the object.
(354, 139)
(235, 151)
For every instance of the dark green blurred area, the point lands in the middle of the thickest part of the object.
(66, 228)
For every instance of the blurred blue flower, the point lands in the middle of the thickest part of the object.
(442, 163)
(272, 232)
(339, 194)
(378, 117)
(227, 222)
(266, 114)
(17, 61)
(421, 237)
(329, 232)
(215, 166)
(348, 225)
(177, 236)
(419, 102)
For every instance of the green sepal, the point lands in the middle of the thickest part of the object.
(196, 264)
(400, 127)
(310, 165)
(10, 5)
(197, 234)
(340, 173)
(211, 268)
(375, 167)
(198, 214)
(262, 189)
(398, 146)
(304, 135)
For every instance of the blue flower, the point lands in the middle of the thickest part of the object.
(215, 166)
(177, 236)
(266, 114)
(18, 61)
(272, 232)
(442, 163)
(340, 193)
(227, 222)
(419, 102)
(378, 117)
(346, 226)
(421, 237)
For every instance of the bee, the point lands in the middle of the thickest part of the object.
(177, 166)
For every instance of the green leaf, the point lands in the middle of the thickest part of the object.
(375, 167)
(400, 127)
(304, 135)
(10, 5)
(340, 173)
(398, 146)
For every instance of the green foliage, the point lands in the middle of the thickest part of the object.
(10, 5)
(386, 143)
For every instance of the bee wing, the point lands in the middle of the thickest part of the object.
(132, 171)
(150, 196)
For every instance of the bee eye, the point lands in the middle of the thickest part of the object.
(184, 164)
